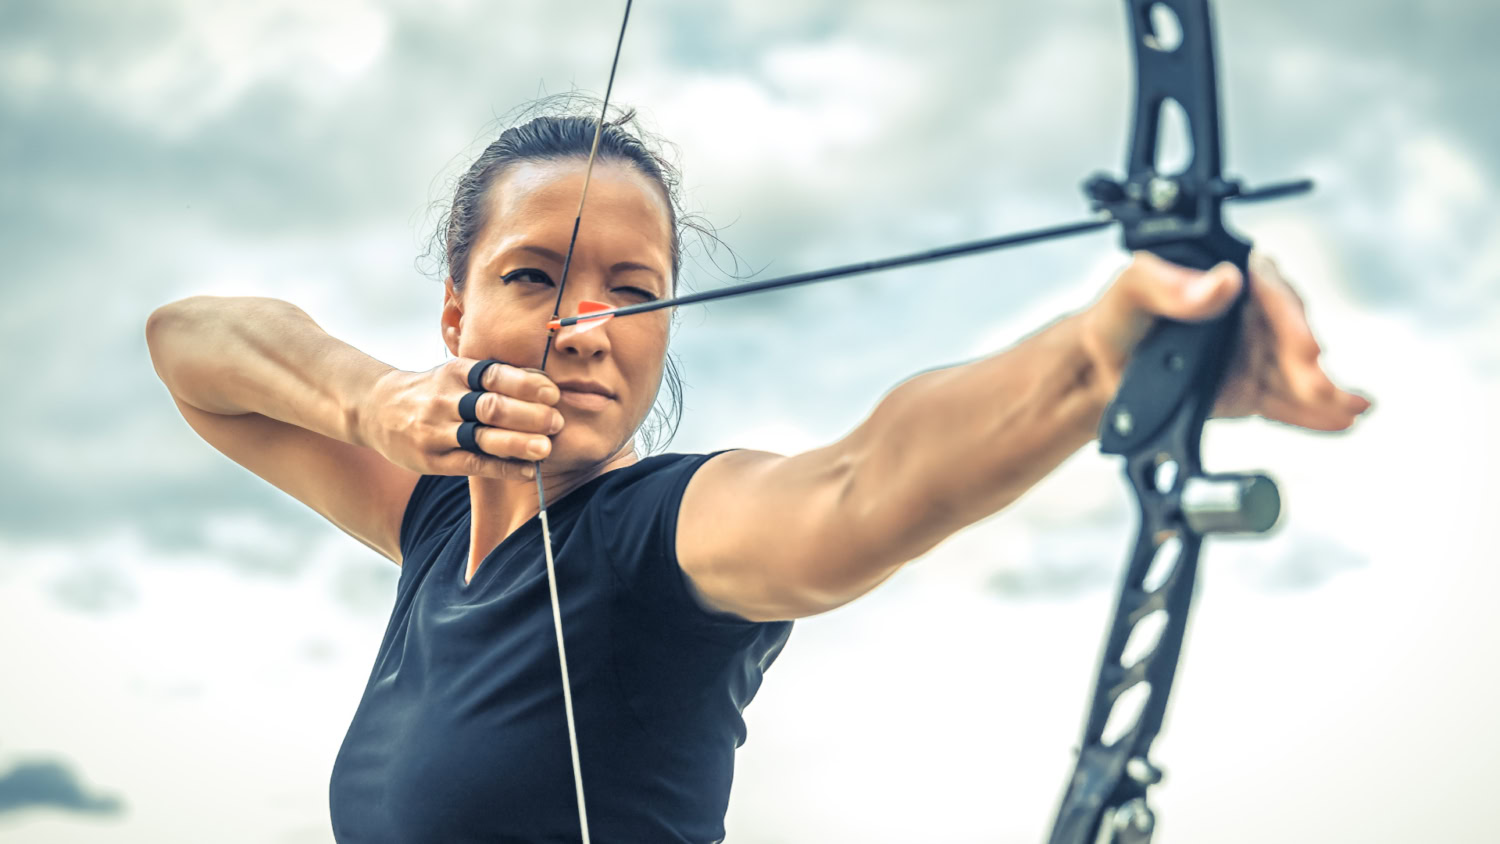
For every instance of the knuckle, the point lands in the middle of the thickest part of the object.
(518, 415)
(458, 369)
(492, 378)
(534, 383)
(485, 439)
(502, 444)
(473, 464)
(497, 410)
(501, 378)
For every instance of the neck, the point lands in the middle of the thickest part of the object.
(501, 505)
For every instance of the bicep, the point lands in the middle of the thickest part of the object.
(772, 538)
(355, 488)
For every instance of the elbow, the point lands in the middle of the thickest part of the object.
(160, 326)
(166, 328)
(157, 325)
(164, 318)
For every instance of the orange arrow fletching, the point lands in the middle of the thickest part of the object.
(586, 322)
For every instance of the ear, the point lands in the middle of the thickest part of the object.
(452, 318)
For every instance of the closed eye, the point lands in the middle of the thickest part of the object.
(646, 295)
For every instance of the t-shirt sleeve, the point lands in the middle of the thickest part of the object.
(435, 500)
(639, 525)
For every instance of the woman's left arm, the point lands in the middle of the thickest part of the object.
(769, 537)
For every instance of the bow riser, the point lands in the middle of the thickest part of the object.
(1156, 419)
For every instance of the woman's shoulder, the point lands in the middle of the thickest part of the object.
(635, 513)
(658, 465)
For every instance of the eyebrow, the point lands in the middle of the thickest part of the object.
(620, 267)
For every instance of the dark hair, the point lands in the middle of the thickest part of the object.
(560, 127)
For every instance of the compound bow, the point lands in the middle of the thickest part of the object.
(1155, 420)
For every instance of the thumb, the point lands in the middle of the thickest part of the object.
(1200, 296)
(1153, 287)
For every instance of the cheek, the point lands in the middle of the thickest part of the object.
(643, 361)
(496, 326)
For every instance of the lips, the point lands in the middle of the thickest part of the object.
(585, 387)
(585, 395)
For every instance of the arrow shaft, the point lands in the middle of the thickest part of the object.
(941, 253)
(923, 257)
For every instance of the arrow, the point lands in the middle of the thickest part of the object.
(597, 313)
(583, 320)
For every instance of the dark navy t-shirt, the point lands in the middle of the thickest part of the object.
(461, 734)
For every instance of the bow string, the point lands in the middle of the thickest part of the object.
(541, 491)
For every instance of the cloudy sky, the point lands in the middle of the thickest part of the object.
(182, 646)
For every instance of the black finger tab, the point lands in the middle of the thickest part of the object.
(466, 406)
(466, 437)
(476, 372)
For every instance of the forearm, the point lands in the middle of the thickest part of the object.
(950, 447)
(238, 355)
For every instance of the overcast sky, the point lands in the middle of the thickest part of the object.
(182, 646)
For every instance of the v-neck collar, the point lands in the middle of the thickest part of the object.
(529, 530)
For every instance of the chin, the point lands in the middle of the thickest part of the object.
(583, 449)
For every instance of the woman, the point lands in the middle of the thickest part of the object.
(679, 574)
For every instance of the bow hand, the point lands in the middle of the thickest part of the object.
(1274, 372)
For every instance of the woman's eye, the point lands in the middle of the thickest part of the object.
(646, 295)
(527, 274)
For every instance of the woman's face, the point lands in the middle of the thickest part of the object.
(622, 257)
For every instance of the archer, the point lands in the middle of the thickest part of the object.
(679, 574)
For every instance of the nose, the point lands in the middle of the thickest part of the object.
(581, 341)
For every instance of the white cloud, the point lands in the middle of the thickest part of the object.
(201, 58)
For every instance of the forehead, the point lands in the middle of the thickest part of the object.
(537, 200)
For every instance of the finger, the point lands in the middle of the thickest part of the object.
(500, 442)
(1320, 417)
(464, 462)
(527, 384)
(502, 411)
(1275, 322)
(1293, 357)
(1309, 387)
(1283, 312)
(1264, 270)
(1312, 385)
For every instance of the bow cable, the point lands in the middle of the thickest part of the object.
(541, 493)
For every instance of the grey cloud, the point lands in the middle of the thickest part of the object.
(1051, 579)
(52, 785)
(1311, 562)
(96, 589)
(364, 587)
(1080, 557)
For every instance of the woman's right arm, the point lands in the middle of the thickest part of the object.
(329, 425)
